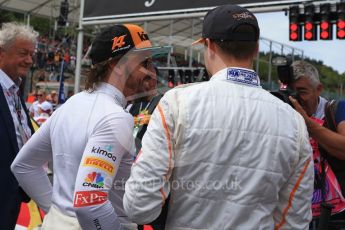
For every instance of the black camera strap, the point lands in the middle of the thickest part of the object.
(323, 176)
(329, 124)
(326, 209)
(329, 116)
(337, 165)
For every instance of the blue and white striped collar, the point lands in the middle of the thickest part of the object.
(239, 76)
(8, 83)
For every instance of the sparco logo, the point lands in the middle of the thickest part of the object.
(97, 224)
(104, 152)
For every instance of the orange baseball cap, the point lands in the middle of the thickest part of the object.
(117, 40)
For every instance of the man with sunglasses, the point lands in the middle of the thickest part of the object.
(229, 154)
(41, 98)
(143, 106)
(90, 139)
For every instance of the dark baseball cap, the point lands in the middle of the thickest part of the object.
(222, 23)
(117, 40)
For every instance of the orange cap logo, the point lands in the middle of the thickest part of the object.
(140, 38)
(143, 36)
(118, 42)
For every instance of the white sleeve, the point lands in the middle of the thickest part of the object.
(110, 140)
(32, 109)
(27, 167)
(51, 107)
(148, 186)
(294, 207)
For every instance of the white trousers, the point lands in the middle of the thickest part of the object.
(55, 220)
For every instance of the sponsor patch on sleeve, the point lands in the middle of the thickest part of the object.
(100, 164)
(89, 198)
(94, 180)
(105, 151)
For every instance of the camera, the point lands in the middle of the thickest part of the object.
(285, 75)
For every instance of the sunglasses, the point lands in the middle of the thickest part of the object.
(147, 63)
(39, 95)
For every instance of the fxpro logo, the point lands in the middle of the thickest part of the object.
(89, 198)
(106, 151)
(94, 180)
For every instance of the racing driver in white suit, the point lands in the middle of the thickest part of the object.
(89, 139)
(230, 155)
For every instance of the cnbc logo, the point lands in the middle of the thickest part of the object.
(105, 151)
(94, 180)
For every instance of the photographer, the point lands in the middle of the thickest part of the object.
(326, 126)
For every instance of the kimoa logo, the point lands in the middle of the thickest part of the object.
(105, 152)
(94, 180)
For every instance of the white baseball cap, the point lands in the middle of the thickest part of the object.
(46, 106)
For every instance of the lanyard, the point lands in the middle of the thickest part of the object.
(141, 106)
(18, 108)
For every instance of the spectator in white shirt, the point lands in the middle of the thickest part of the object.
(41, 97)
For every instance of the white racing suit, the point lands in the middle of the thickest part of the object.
(231, 156)
(89, 139)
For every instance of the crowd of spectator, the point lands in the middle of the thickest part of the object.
(49, 55)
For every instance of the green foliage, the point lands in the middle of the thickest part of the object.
(6, 16)
(330, 78)
(42, 25)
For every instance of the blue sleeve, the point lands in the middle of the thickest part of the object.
(340, 112)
